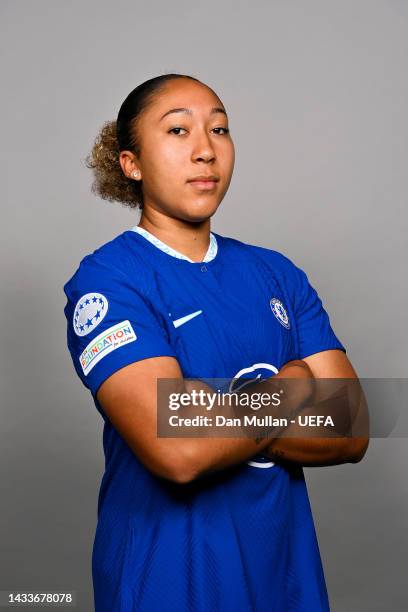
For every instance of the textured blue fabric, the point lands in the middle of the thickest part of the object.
(240, 540)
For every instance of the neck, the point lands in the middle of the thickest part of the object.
(190, 239)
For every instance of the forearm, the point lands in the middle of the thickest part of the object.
(312, 452)
(204, 456)
(343, 442)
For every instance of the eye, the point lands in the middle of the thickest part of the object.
(176, 128)
(226, 130)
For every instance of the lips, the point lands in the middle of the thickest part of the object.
(203, 185)
(203, 177)
(204, 182)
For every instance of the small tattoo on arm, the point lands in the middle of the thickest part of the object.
(277, 454)
(266, 433)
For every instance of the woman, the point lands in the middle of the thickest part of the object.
(194, 524)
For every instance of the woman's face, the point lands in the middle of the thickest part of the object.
(176, 147)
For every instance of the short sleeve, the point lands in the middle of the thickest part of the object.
(314, 330)
(110, 322)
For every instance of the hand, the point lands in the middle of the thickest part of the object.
(295, 369)
(298, 394)
(301, 392)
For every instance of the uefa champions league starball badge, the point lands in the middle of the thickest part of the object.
(89, 311)
(279, 312)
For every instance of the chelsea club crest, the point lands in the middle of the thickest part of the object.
(279, 312)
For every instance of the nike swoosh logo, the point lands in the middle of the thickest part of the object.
(183, 320)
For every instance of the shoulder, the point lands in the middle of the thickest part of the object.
(281, 263)
(118, 260)
(270, 264)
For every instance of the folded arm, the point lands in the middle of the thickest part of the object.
(129, 399)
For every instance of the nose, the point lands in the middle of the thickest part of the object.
(203, 149)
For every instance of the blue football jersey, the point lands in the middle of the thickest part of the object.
(241, 539)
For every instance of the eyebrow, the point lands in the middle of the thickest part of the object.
(216, 109)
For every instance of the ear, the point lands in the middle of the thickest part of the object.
(128, 164)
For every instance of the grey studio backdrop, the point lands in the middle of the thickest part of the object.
(317, 95)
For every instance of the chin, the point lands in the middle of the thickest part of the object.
(198, 211)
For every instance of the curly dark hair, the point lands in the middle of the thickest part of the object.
(110, 182)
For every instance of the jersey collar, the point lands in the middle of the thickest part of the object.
(211, 252)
